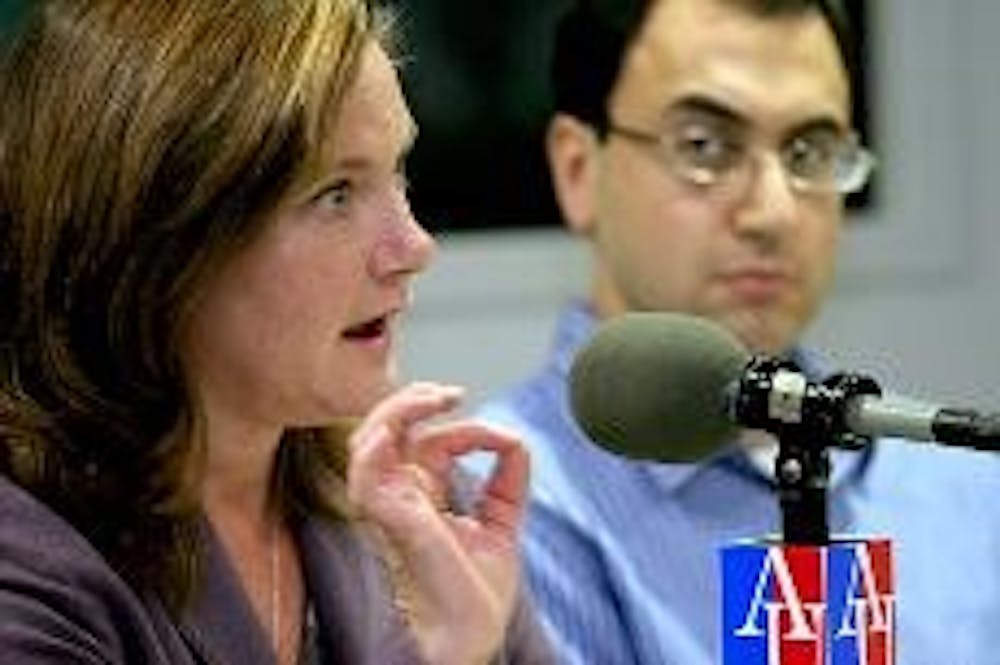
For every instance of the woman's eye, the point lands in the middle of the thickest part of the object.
(337, 196)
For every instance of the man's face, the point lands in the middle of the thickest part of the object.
(752, 253)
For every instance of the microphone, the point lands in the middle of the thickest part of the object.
(653, 385)
(673, 387)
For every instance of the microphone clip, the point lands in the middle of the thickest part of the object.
(774, 394)
(808, 418)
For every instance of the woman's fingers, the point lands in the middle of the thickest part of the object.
(410, 405)
(396, 454)
(436, 447)
(503, 496)
(378, 444)
(458, 573)
(371, 456)
(394, 494)
(503, 500)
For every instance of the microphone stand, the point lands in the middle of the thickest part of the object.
(808, 418)
(813, 583)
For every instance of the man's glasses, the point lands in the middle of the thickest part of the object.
(820, 162)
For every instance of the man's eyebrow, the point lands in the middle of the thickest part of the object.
(705, 105)
(819, 124)
(717, 110)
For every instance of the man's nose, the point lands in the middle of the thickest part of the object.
(769, 206)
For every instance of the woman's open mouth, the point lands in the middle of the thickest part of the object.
(372, 329)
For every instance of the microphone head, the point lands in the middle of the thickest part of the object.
(652, 385)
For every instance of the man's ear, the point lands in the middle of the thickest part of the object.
(572, 149)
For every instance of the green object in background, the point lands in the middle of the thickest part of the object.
(8, 9)
(9, 12)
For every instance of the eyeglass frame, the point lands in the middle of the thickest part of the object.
(857, 172)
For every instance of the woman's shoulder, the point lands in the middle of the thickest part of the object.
(26, 523)
(60, 596)
(35, 541)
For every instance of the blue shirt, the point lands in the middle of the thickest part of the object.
(623, 556)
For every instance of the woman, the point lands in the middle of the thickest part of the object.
(206, 247)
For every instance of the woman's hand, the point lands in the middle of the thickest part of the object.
(459, 572)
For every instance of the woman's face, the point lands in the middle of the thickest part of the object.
(301, 326)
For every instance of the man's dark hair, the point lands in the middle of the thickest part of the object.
(594, 35)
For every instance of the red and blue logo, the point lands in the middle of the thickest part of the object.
(809, 605)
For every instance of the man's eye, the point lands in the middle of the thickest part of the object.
(699, 148)
(812, 155)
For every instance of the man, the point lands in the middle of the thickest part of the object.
(703, 148)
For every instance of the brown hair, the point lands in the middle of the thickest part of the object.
(141, 144)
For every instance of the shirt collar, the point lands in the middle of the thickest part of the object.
(574, 328)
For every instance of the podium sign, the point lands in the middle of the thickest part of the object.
(809, 604)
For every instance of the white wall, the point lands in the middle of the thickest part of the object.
(917, 305)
